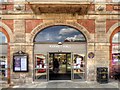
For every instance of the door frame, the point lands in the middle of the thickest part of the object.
(48, 79)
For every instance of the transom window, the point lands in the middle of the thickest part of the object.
(60, 34)
(3, 38)
(116, 38)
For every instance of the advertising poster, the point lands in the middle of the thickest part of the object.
(20, 63)
(17, 63)
(24, 63)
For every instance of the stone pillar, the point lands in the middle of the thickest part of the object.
(101, 44)
(90, 63)
(21, 44)
(19, 31)
(22, 77)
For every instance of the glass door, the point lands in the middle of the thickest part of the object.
(59, 66)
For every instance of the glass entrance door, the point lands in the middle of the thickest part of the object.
(59, 66)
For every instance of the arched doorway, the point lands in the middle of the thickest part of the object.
(3, 57)
(115, 54)
(66, 44)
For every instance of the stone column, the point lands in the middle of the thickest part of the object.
(90, 63)
(21, 44)
(22, 77)
(101, 44)
(19, 31)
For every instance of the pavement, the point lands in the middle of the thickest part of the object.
(69, 84)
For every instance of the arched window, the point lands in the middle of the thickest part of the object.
(3, 38)
(60, 34)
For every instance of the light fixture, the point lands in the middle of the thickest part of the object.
(59, 43)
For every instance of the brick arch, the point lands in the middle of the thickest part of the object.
(112, 31)
(116, 30)
(7, 31)
(71, 24)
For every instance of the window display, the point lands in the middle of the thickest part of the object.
(79, 66)
(40, 66)
(3, 68)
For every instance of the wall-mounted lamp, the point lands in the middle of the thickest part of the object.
(59, 43)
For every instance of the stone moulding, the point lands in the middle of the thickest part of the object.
(79, 9)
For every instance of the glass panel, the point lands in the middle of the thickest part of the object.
(40, 66)
(3, 68)
(60, 34)
(116, 38)
(69, 63)
(59, 66)
(3, 38)
(78, 66)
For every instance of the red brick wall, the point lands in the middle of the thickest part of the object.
(28, 8)
(9, 23)
(31, 24)
(110, 23)
(89, 24)
(110, 7)
(92, 7)
(9, 7)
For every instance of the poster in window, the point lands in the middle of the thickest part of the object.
(20, 63)
(24, 63)
(17, 63)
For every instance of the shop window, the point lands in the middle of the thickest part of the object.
(79, 66)
(116, 48)
(3, 57)
(3, 68)
(115, 72)
(60, 34)
(40, 66)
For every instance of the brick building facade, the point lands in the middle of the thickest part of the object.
(22, 21)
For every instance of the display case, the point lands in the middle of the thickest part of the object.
(20, 62)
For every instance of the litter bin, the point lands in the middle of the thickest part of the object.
(102, 75)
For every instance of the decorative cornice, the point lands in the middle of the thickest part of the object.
(80, 9)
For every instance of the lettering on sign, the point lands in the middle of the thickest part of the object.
(58, 46)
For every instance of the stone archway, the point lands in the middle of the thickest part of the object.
(72, 24)
(112, 31)
(8, 30)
